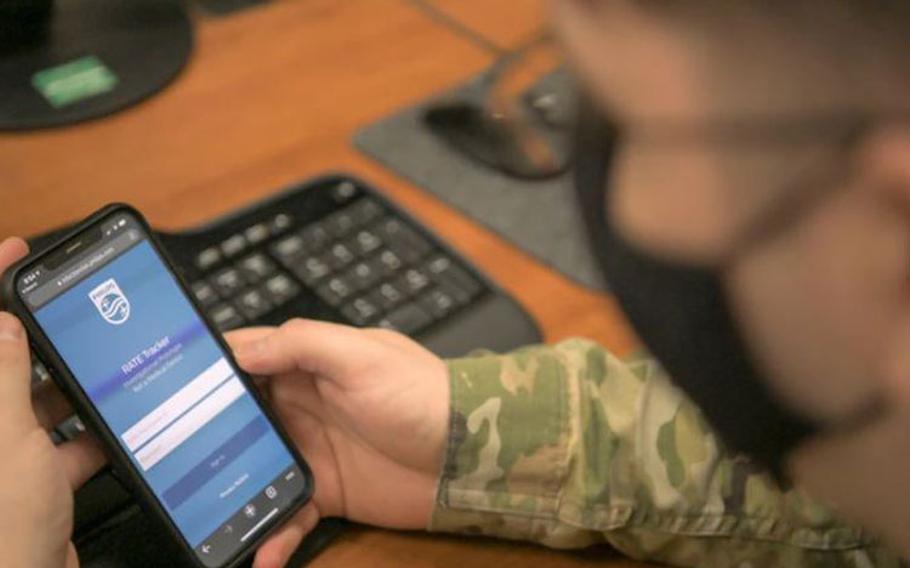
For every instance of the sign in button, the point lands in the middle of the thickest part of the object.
(216, 461)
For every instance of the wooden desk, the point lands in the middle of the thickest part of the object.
(272, 96)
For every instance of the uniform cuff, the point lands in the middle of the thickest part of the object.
(506, 458)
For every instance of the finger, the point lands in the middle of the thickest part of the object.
(240, 337)
(15, 376)
(72, 559)
(278, 548)
(82, 458)
(11, 250)
(321, 348)
(51, 407)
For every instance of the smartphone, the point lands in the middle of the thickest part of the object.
(183, 425)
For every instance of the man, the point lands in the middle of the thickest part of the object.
(758, 196)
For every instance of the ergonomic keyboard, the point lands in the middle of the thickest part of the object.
(332, 249)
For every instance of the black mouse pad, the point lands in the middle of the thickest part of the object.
(539, 217)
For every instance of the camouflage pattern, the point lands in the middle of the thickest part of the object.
(568, 446)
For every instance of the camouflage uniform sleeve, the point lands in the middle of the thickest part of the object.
(568, 446)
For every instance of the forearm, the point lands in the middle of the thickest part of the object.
(568, 446)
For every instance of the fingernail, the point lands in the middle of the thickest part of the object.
(251, 349)
(10, 328)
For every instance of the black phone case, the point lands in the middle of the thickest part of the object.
(123, 468)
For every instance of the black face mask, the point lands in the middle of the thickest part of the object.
(682, 314)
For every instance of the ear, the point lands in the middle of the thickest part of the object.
(884, 168)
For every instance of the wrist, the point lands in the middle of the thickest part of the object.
(438, 439)
(430, 439)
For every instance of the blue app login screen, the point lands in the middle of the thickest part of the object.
(165, 389)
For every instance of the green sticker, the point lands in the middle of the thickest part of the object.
(74, 81)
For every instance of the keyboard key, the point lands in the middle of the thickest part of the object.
(71, 428)
(460, 295)
(208, 258)
(39, 372)
(225, 317)
(361, 311)
(404, 251)
(388, 262)
(362, 275)
(437, 303)
(280, 223)
(406, 242)
(406, 319)
(390, 229)
(288, 250)
(335, 291)
(444, 271)
(280, 289)
(413, 281)
(387, 296)
(365, 242)
(311, 270)
(227, 282)
(438, 265)
(420, 245)
(233, 246)
(315, 238)
(339, 224)
(366, 211)
(256, 267)
(338, 256)
(257, 234)
(205, 294)
(344, 192)
(253, 304)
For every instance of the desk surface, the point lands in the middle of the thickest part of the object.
(272, 96)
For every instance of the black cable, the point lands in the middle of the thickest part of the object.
(441, 17)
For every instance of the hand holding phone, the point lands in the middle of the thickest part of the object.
(181, 423)
(36, 479)
(370, 407)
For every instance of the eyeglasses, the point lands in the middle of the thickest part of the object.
(839, 133)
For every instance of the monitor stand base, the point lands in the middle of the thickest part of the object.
(94, 58)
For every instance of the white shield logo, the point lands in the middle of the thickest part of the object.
(111, 302)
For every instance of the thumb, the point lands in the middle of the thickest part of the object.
(15, 376)
(321, 348)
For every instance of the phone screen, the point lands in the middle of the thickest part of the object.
(165, 389)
